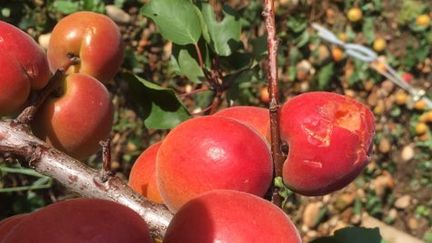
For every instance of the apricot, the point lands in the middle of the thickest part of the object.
(142, 177)
(9, 224)
(24, 67)
(330, 139)
(207, 153)
(255, 117)
(77, 120)
(337, 54)
(354, 14)
(81, 220)
(421, 128)
(379, 44)
(230, 216)
(92, 37)
(423, 20)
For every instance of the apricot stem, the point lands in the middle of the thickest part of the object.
(272, 77)
(27, 115)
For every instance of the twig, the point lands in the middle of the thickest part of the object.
(272, 46)
(27, 115)
(215, 79)
(79, 177)
(106, 171)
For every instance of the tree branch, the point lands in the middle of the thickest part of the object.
(272, 47)
(16, 139)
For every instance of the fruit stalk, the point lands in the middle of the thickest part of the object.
(272, 77)
(29, 112)
(78, 176)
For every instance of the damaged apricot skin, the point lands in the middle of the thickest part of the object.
(330, 139)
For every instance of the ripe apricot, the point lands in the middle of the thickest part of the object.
(329, 138)
(92, 37)
(230, 216)
(257, 118)
(142, 177)
(78, 119)
(81, 220)
(208, 153)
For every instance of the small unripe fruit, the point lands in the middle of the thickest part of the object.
(379, 44)
(354, 14)
(423, 20)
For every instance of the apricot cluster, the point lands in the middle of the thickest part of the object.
(80, 113)
(211, 171)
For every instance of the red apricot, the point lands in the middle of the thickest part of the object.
(9, 224)
(142, 177)
(92, 37)
(255, 117)
(207, 153)
(80, 220)
(330, 139)
(24, 67)
(230, 216)
(79, 119)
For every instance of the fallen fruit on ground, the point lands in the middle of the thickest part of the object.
(354, 14)
(379, 44)
(80, 220)
(423, 20)
(208, 153)
(77, 118)
(329, 138)
(142, 177)
(231, 216)
(92, 37)
(24, 67)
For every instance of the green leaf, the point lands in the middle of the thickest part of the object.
(369, 30)
(224, 35)
(94, 5)
(159, 106)
(184, 61)
(178, 20)
(325, 75)
(352, 235)
(66, 7)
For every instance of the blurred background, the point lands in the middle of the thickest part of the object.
(396, 187)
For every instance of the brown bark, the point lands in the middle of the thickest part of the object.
(18, 140)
